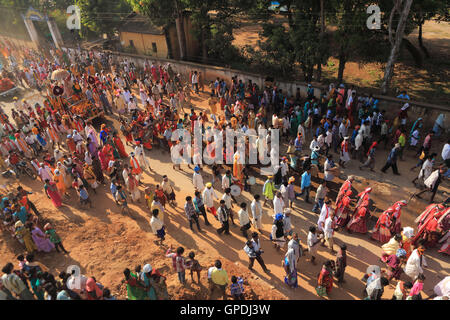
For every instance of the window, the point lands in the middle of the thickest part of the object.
(155, 49)
(131, 43)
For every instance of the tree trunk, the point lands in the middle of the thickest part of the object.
(389, 72)
(179, 23)
(309, 73)
(322, 31)
(342, 62)
(204, 47)
(319, 72)
(424, 49)
(181, 37)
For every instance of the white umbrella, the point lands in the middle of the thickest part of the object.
(408, 232)
(373, 269)
(60, 74)
(235, 190)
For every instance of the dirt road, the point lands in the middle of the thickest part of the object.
(103, 242)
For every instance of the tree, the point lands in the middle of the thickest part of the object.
(351, 35)
(301, 41)
(103, 16)
(403, 8)
(424, 10)
(305, 34)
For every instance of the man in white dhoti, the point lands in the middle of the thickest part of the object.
(140, 156)
(416, 263)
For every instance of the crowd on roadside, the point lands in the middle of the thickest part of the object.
(61, 145)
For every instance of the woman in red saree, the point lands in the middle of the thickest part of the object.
(397, 212)
(103, 159)
(432, 230)
(52, 193)
(346, 186)
(120, 147)
(358, 223)
(343, 209)
(425, 224)
(381, 232)
(325, 278)
(108, 151)
(363, 199)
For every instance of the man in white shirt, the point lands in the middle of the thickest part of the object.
(328, 140)
(314, 144)
(253, 250)
(157, 226)
(284, 166)
(257, 212)
(195, 81)
(127, 95)
(45, 173)
(365, 130)
(244, 219)
(275, 120)
(32, 141)
(227, 180)
(329, 168)
(14, 283)
(324, 214)
(208, 198)
(301, 130)
(328, 231)
(227, 197)
(342, 130)
(131, 106)
(140, 156)
(446, 153)
(278, 203)
(312, 242)
(197, 179)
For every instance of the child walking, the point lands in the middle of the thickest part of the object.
(194, 266)
(54, 238)
(179, 263)
(237, 288)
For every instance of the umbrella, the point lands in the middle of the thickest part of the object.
(235, 190)
(408, 232)
(373, 269)
(60, 74)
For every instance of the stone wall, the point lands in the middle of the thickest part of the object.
(392, 105)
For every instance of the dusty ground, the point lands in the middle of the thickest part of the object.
(103, 242)
(429, 83)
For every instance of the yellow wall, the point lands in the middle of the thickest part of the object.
(143, 43)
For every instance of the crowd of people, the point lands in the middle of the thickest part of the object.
(59, 141)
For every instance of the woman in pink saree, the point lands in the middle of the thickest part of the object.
(42, 242)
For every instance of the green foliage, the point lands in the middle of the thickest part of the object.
(298, 42)
(102, 16)
(160, 12)
(213, 21)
